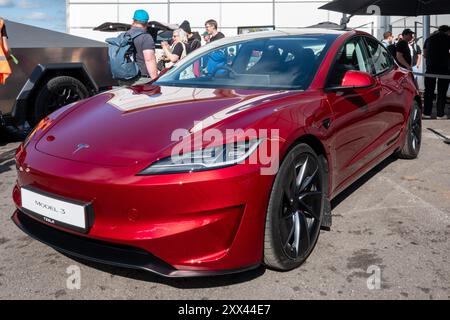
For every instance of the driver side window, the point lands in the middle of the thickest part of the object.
(382, 60)
(351, 57)
(210, 64)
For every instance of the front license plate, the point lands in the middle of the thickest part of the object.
(60, 212)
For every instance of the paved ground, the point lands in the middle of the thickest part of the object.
(397, 219)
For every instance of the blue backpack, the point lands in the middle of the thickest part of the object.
(122, 56)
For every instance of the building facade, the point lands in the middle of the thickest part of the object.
(84, 15)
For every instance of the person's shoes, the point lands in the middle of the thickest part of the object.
(442, 118)
(425, 116)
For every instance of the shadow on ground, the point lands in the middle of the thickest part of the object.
(361, 181)
(7, 160)
(179, 283)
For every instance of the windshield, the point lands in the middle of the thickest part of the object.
(276, 63)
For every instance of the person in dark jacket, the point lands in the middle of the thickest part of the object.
(403, 55)
(194, 39)
(437, 55)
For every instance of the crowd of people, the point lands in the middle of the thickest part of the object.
(404, 48)
(436, 53)
(184, 41)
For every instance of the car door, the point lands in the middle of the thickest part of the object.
(353, 127)
(391, 110)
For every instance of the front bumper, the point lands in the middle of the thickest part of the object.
(103, 252)
(181, 225)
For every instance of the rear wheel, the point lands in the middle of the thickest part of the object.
(56, 93)
(413, 139)
(295, 210)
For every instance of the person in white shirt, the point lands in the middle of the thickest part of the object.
(388, 39)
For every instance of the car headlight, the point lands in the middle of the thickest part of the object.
(206, 159)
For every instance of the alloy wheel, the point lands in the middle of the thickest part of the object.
(63, 96)
(301, 207)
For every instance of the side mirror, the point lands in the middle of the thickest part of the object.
(357, 79)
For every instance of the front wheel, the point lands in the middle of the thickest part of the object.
(413, 139)
(56, 93)
(296, 209)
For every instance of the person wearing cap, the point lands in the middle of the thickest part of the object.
(206, 37)
(194, 39)
(403, 55)
(145, 50)
(437, 57)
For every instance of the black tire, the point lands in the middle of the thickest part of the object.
(304, 211)
(413, 139)
(56, 93)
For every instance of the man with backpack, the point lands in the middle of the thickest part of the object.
(132, 54)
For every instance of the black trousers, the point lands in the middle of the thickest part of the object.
(442, 88)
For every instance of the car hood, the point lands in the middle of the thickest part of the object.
(129, 126)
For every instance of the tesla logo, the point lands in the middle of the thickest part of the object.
(81, 146)
(49, 220)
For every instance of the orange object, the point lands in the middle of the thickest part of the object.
(5, 68)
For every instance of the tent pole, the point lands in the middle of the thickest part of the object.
(344, 21)
(384, 25)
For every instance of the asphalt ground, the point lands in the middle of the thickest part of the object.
(389, 240)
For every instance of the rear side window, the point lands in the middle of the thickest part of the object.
(382, 60)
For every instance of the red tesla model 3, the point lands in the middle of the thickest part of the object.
(229, 160)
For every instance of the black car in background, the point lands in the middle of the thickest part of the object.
(56, 69)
